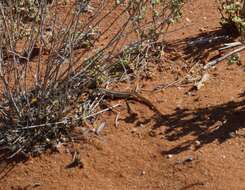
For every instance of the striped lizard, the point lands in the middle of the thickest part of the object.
(128, 95)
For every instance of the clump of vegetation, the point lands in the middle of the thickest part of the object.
(233, 13)
(50, 74)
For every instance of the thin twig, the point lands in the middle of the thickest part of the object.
(216, 61)
(64, 121)
(230, 45)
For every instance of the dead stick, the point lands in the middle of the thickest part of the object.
(216, 61)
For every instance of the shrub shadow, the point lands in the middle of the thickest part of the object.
(206, 125)
(200, 47)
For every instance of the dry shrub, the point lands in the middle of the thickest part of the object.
(54, 55)
(233, 14)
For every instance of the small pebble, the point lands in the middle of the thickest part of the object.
(141, 126)
(232, 134)
(188, 20)
(198, 143)
(189, 159)
(133, 130)
(169, 156)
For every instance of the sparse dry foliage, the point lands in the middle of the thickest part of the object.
(233, 13)
(51, 64)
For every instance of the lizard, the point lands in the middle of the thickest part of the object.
(128, 95)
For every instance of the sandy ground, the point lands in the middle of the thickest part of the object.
(198, 144)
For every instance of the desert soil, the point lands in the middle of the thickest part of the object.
(198, 144)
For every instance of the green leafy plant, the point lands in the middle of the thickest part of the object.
(234, 59)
